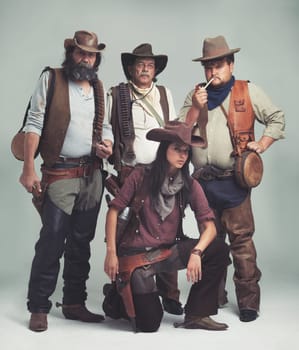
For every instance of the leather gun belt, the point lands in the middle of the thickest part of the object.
(77, 170)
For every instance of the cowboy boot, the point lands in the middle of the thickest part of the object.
(38, 322)
(79, 312)
(197, 322)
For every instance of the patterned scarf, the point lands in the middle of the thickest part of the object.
(217, 95)
(166, 199)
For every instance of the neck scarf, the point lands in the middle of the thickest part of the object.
(217, 95)
(150, 94)
(166, 199)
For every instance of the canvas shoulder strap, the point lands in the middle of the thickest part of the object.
(240, 116)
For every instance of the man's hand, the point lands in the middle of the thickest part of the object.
(255, 146)
(30, 181)
(200, 98)
(104, 149)
(261, 145)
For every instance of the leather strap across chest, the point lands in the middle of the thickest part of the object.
(240, 117)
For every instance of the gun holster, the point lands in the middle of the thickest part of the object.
(127, 265)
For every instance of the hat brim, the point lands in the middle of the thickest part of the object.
(209, 58)
(71, 42)
(161, 134)
(127, 59)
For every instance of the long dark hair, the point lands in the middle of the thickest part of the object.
(158, 172)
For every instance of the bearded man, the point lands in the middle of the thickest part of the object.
(65, 123)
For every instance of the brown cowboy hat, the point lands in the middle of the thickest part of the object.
(87, 41)
(143, 51)
(215, 48)
(175, 131)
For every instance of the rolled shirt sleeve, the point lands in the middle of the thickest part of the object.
(267, 113)
(36, 112)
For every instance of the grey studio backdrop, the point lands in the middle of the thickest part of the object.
(32, 36)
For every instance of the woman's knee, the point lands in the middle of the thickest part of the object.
(149, 312)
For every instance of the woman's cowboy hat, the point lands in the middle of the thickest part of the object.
(215, 48)
(87, 41)
(143, 51)
(175, 131)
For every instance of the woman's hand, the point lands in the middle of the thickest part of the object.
(194, 269)
(111, 266)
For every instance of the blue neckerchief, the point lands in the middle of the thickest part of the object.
(217, 95)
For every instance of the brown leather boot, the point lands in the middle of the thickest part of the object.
(38, 322)
(80, 313)
(197, 322)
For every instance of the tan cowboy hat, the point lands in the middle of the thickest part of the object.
(215, 48)
(175, 131)
(143, 51)
(87, 41)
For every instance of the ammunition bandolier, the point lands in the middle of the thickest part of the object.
(122, 122)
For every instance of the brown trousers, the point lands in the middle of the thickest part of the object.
(238, 223)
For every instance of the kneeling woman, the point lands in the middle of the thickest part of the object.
(168, 188)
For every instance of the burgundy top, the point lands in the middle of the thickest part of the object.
(153, 232)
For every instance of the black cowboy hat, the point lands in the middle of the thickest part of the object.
(143, 51)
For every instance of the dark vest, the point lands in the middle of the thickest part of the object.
(58, 119)
(122, 122)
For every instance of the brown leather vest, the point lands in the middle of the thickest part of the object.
(241, 116)
(58, 119)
